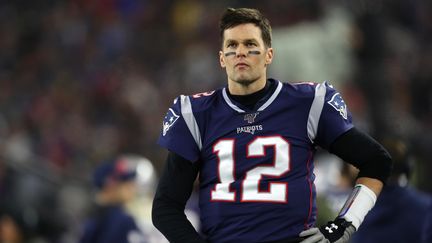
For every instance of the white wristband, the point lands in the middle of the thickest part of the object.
(361, 200)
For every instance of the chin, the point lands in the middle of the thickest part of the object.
(244, 82)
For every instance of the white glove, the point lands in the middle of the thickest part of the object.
(337, 231)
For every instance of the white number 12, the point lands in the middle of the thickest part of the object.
(250, 186)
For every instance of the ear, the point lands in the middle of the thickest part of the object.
(222, 59)
(269, 56)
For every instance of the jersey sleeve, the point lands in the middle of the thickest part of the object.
(176, 136)
(335, 118)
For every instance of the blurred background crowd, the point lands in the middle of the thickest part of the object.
(82, 81)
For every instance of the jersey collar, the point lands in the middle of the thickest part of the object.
(261, 108)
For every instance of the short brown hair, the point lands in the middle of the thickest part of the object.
(236, 16)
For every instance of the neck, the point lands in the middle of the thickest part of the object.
(245, 88)
(251, 100)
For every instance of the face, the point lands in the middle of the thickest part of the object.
(244, 55)
(127, 190)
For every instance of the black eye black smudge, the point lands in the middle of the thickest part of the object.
(230, 53)
(254, 52)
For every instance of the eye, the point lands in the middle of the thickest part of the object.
(251, 44)
(231, 45)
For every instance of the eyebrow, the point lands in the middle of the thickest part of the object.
(251, 40)
(243, 41)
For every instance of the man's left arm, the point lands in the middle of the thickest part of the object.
(374, 164)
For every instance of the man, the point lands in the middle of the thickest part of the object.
(115, 184)
(252, 143)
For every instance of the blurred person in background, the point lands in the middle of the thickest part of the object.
(115, 182)
(252, 143)
(140, 205)
(400, 211)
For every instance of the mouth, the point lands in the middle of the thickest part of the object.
(241, 65)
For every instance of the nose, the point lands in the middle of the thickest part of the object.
(241, 51)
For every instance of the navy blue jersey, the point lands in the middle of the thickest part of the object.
(256, 177)
(112, 225)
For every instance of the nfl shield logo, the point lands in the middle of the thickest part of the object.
(250, 118)
(170, 118)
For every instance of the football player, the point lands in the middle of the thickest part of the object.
(115, 183)
(252, 144)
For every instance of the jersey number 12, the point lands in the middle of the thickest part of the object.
(277, 191)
